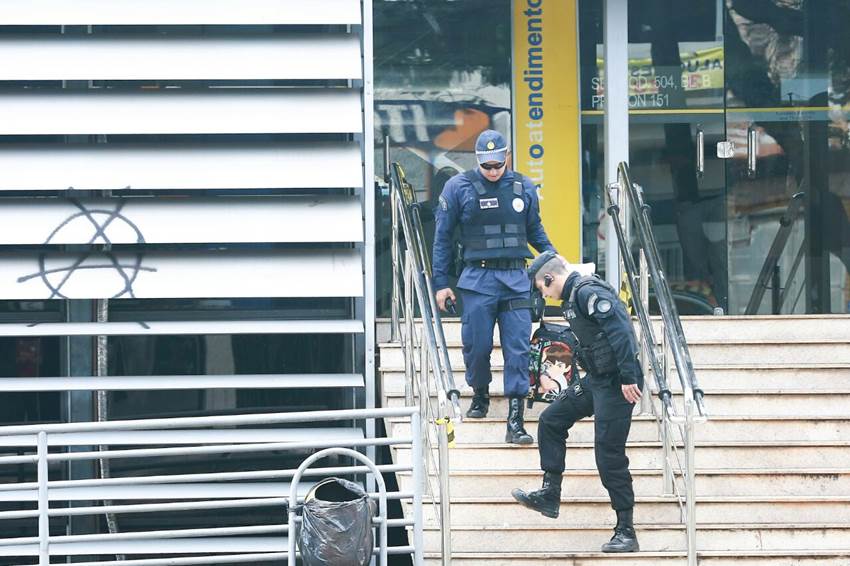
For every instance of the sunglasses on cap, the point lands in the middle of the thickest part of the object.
(490, 166)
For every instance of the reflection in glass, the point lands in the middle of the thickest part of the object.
(787, 87)
(442, 76)
(676, 70)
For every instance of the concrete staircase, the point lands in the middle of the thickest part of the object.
(773, 462)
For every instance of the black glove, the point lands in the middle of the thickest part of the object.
(538, 305)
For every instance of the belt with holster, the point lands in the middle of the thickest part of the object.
(514, 305)
(500, 263)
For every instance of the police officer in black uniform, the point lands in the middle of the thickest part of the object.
(607, 350)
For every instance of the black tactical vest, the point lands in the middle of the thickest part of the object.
(496, 228)
(594, 351)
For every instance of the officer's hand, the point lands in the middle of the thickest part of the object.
(631, 392)
(444, 294)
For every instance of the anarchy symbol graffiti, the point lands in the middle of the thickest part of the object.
(118, 274)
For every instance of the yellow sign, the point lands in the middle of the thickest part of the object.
(450, 430)
(546, 114)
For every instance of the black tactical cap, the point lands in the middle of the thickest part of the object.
(539, 262)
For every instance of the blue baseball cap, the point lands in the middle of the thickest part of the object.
(491, 146)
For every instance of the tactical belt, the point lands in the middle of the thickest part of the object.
(501, 263)
(514, 305)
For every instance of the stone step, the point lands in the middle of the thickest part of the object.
(800, 403)
(788, 328)
(714, 483)
(708, 558)
(743, 537)
(763, 376)
(504, 512)
(773, 469)
(770, 428)
(721, 352)
(648, 455)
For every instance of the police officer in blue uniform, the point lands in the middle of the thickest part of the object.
(607, 350)
(498, 214)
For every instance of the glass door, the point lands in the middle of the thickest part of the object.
(788, 173)
(676, 124)
(676, 60)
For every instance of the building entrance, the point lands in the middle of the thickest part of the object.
(739, 134)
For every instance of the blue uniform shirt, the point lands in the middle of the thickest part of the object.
(457, 204)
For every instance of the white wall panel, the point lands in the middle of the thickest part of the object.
(181, 12)
(182, 327)
(213, 166)
(298, 56)
(272, 273)
(179, 111)
(176, 382)
(169, 220)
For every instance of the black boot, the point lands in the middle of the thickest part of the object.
(516, 425)
(546, 500)
(624, 539)
(480, 403)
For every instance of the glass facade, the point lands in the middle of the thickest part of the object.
(788, 80)
(675, 90)
(735, 108)
(442, 75)
(760, 89)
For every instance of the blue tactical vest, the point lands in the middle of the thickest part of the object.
(496, 229)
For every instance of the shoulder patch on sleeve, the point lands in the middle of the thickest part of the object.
(596, 300)
(443, 204)
(591, 303)
(604, 306)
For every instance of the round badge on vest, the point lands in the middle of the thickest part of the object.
(518, 204)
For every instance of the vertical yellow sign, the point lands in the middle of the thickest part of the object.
(546, 114)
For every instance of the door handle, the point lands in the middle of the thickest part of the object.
(700, 152)
(752, 151)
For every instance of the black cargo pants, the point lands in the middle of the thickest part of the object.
(603, 398)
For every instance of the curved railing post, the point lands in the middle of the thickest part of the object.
(382, 498)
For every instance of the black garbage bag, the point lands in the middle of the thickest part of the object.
(336, 525)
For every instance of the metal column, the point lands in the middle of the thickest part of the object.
(616, 54)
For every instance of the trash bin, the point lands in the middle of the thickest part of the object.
(336, 525)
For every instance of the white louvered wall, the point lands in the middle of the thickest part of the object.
(182, 133)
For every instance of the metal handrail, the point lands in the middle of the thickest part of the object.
(771, 261)
(39, 437)
(414, 239)
(671, 323)
(627, 207)
(412, 278)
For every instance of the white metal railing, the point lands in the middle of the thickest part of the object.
(627, 206)
(428, 370)
(26, 532)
